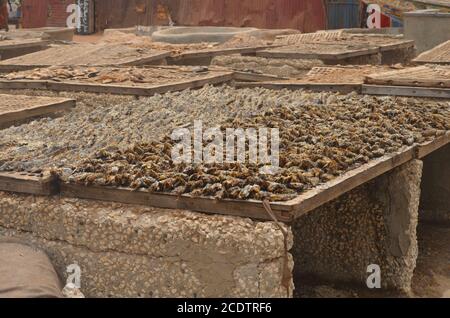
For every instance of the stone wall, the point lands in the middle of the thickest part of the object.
(373, 224)
(134, 251)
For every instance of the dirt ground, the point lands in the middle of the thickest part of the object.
(92, 38)
(431, 277)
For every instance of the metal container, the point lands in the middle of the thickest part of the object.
(342, 14)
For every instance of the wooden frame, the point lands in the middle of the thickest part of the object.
(255, 77)
(406, 91)
(284, 211)
(420, 76)
(28, 183)
(145, 59)
(23, 44)
(216, 78)
(20, 115)
(320, 56)
(404, 44)
(215, 52)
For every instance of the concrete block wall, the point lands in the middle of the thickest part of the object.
(373, 224)
(428, 28)
(134, 251)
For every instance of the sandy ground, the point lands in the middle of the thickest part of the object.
(431, 277)
(92, 38)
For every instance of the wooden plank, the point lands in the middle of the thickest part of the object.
(219, 77)
(255, 77)
(317, 87)
(21, 114)
(422, 76)
(216, 52)
(23, 84)
(149, 59)
(430, 147)
(406, 91)
(397, 46)
(251, 209)
(438, 83)
(28, 183)
(316, 55)
(285, 211)
(20, 44)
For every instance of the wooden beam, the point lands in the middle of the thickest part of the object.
(28, 183)
(406, 91)
(250, 209)
(430, 147)
(255, 77)
(396, 46)
(284, 54)
(16, 44)
(216, 52)
(22, 114)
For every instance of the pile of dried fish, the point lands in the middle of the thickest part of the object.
(322, 136)
(319, 141)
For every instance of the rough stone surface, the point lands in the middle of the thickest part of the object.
(403, 56)
(134, 251)
(373, 224)
(435, 201)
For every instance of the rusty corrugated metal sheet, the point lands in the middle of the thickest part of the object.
(305, 15)
(34, 13)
